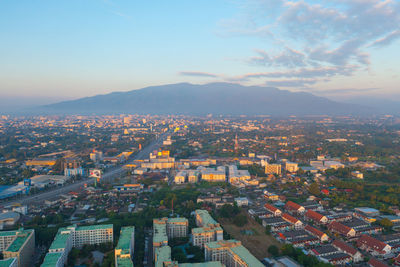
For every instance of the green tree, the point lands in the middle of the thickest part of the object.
(240, 220)
(273, 250)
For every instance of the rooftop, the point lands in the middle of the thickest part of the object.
(60, 241)
(94, 227)
(205, 217)
(125, 237)
(51, 259)
(124, 262)
(22, 236)
(7, 262)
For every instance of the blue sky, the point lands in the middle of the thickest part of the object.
(69, 49)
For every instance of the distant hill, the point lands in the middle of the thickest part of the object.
(215, 98)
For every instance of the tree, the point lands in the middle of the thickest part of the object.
(273, 250)
(240, 220)
(268, 230)
(314, 189)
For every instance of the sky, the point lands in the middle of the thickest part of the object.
(66, 49)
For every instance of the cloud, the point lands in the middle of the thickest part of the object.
(345, 91)
(387, 40)
(287, 58)
(291, 83)
(198, 74)
(316, 38)
(317, 72)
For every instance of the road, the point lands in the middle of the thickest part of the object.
(107, 176)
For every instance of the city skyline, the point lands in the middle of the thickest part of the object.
(65, 50)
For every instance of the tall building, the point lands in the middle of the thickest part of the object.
(208, 229)
(160, 238)
(177, 227)
(19, 244)
(76, 236)
(273, 168)
(125, 247)
(231, 253)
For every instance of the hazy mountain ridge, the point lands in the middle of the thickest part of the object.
(215, 98)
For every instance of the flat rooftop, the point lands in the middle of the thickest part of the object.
(125, 237)
(51, 259)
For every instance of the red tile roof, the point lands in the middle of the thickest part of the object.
(338, 227)
(314, 231)
(270, 207)
(371, 243)
(289, 218)
(290, 205)
(314, 215)
(344, 247)
(375, 263)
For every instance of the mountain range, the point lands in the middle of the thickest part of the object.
(212, 98)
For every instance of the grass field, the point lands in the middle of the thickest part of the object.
(257, 243)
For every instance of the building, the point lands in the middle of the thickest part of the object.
(317, 233)
(193, 176)
(292, 220)
(96, 156)
(373, 245)
(159, 160)
(177, 227)
(274, 210)
(231, 253)
(75, 236)
(10, 262)
(93, 234)
(370, 212)
(316, 217)
(180, 177)
(236, 176)
(241, 201)
(213, 175)
(8, 219)
(125, 248)
(292, 207)
(74, 171)
(19, 244)
(273, 169)
(208, 229)
(160, 238)
(291, 166)
(337, 227)
(41, 162)
(357, 174)
(346, 248)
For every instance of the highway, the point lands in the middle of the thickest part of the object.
(107, 176)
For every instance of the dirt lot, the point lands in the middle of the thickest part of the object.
(257, 243)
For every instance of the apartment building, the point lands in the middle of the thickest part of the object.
(177, 227)
(208, 229)
(19, 244)
(231, 253)
(291, 166)
(273, 169)
(125, 248)
(160, 238)
(75, 236)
